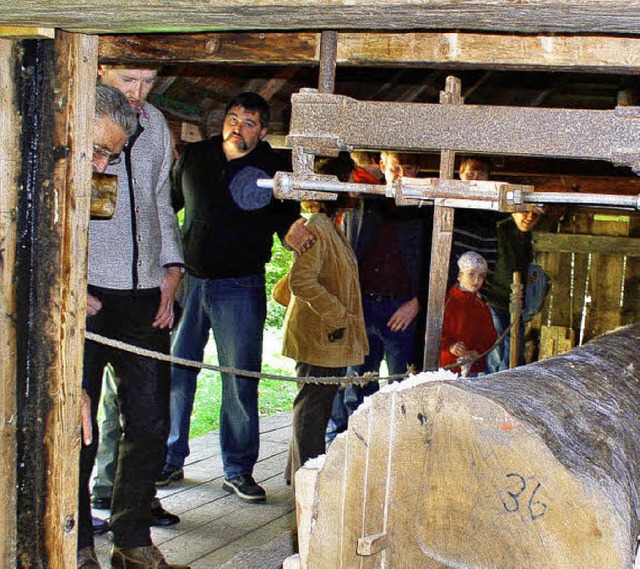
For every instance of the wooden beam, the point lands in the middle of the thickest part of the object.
(441, 241)
(602, 54)
(22, 32)
(57, 97)
(77, 63)
(491, 51)
(141, 16)
(9, 186)
(577, 243)
(215, 48)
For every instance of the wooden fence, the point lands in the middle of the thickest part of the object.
(593, 265)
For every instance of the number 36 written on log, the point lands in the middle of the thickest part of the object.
(517, 492)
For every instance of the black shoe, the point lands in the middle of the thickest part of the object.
(100, 526)
(170, 473)
(161, 518)
(245, 487)
(101, 503)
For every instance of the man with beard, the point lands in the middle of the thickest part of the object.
(227, 234)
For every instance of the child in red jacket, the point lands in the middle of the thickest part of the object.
(468, 328)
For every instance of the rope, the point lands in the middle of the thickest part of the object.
(465, 361)
(367, 377)
(331, 380)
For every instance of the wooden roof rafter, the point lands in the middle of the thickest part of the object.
(576, 53)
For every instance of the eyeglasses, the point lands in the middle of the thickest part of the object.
(102, 154)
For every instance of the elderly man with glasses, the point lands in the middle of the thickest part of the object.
(135, 266)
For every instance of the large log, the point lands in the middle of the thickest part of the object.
(535, 467)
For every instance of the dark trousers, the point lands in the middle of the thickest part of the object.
(397, 348)
(311, 412)
(143, 386)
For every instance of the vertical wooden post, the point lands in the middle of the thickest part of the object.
(9, 170)
(440, 245)
(74, 107)
(516, 316)
(58, 98)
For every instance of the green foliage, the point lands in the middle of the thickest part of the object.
(281, 261)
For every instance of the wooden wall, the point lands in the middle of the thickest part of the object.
(593, 264)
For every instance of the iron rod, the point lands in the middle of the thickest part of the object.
(441, 191)
(328, 57)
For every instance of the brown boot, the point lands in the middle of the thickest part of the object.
(87, 558)
(148, 557)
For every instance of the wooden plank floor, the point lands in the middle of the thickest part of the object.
(217, 529)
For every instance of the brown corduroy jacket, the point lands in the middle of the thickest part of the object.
(324, 285)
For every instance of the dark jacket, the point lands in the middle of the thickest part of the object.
(413, 234)
(474, 230)
(228, 221)
(515, 252)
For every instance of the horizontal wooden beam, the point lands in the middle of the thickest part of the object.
(239, 48)
(602, 54)
(142, 16)
(576, 243)
(21, 32)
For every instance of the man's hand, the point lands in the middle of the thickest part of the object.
(93, 305)
(404, 316)
(85, 418)
(164, 317)
(299, 238)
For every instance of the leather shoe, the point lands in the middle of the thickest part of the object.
(148, 557)
(101, 503)
(160, 517)
(99, 525)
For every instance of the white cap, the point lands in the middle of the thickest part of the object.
(472, 260)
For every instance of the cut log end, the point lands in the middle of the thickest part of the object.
(442, 474)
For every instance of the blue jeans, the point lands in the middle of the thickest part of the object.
(235, 309)
(397, 348)
(498, 358)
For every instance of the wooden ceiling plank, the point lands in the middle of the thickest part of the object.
(212, 48)
(603, 54)
(275, 84)
(142, 16)
(496, 51)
